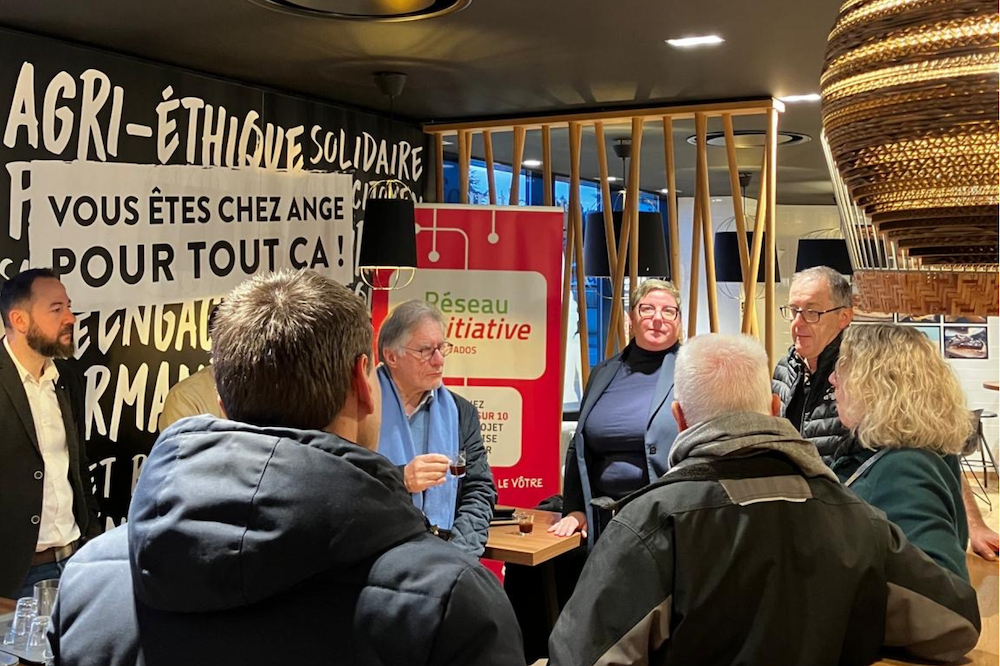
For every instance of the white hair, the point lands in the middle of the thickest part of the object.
(721, 374)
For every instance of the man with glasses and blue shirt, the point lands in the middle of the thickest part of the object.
(819, 309)
(425, 427)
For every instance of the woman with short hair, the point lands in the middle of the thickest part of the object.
(908, 419)
(625, 429)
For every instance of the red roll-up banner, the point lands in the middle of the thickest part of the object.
(495, 274)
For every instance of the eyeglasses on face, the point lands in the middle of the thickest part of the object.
(790, 312)
(426, 353)
(648, 311)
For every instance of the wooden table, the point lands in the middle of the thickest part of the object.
(506, 544)
(993, 386)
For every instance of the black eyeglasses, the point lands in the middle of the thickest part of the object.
(790, 312)
(426, 353)
(648, 311)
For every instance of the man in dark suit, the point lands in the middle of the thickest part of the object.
(47, 505)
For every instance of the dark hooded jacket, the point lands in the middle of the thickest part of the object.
(250, 545)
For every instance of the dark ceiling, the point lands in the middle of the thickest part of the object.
(500, 58)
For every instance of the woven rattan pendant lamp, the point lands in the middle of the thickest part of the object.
(910, 115)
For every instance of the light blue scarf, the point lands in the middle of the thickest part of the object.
(396, 443)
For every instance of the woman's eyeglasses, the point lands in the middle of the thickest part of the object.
(648, 311)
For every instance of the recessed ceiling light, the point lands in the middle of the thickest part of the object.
(366, 10)
(750, 138)
(532, 164)
(716, 200)
(446, 142)
(689, 42)
(791, 99)
(664, 191)
(612, 179)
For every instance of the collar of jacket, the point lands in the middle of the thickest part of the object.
(824, 364)
(740, 434)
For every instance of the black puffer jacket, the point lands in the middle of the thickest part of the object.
(250, 545)
(820, 422)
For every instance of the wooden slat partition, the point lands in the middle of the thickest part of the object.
(612, 343)
(632, 203)
(488, 153)
(463, 166)
(439, 168)
(695, 268)
(576, 219)
(515, 167)
(705, 196)
(741, 226)
(547, 182)
(673, 227)
(626, 245)
(770, 304)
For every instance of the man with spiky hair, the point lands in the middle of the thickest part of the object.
(279, 534)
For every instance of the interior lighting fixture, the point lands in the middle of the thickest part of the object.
(792, 99)
(692, 42)
(532, 164)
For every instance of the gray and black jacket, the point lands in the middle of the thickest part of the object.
(819, 422)
(747, 551)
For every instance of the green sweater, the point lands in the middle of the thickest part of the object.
(920, 491)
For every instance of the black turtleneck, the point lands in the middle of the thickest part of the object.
(615, 430)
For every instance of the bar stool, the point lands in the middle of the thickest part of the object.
(978, 441)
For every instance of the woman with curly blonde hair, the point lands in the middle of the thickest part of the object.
(908, 420)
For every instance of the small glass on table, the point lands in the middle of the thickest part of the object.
(525, 522)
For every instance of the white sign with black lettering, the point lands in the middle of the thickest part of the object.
(121, 235)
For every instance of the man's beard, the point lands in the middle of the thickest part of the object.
(50, 348)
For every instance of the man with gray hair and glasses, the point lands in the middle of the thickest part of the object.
(280, 535)
(432, 434)
(750, 551)
(819, 309)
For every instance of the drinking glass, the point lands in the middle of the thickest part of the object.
(525, 522)
(36, 635)
(45, 595)
(456, 464)
(25, 612)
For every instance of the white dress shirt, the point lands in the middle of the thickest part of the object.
(58, 526)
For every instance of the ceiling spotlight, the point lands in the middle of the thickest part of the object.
(664, 191)
(446, 142)
(532, 164)
(750, 138)
(612, 179)
(791, 99)
(689, 42)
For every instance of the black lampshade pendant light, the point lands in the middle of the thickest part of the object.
(830, 252)
(388, 256)
(653, 256)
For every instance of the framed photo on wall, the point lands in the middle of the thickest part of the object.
(918, 319)
(966, 342)
(965, 319)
